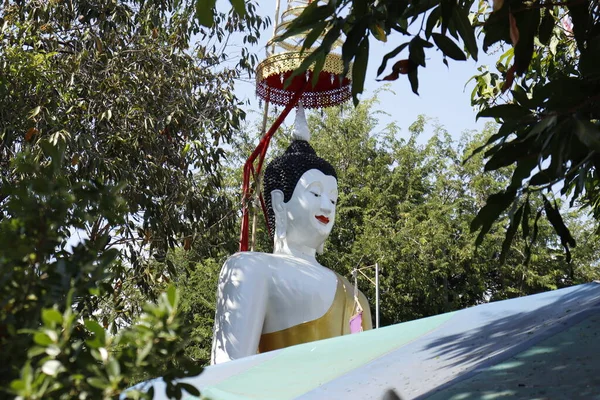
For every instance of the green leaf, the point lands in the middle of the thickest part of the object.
(313, 35)
(448, 47)
(588, 133)
(546, 27)
(143, 352)
(414, 81)
(533, 237)
(543, 177)
(527, 23)
(36, 351)
(350, 46)
(524, 167)
(98, 383)
(419, 7)
(52, 367)
(189, 388)
(97, 330)
(497, 28)
(42, 339)
(205, 12)
(239, 6)
(520, 96)
(113, 368)
(505, 111)
(542, 126)
(495, 205)
(51, 317)
(378, 33)
(416, 51)
(525, 221)
(172, 295)
(17, 386)
(579, 14)
(390, 55)
(448, 7)
(318, 67)
(460, 17)
(359, 70)
(515, 220)
(312, 15)
(35, 112)
(558, 224)
(432, 20)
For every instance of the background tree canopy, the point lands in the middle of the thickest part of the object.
(112, 122)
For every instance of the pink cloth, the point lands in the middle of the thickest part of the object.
(356, 323)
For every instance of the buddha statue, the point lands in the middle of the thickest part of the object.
(270, 301)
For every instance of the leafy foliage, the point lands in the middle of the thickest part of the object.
(550, 130)
(112, 125)
(117, 84)
(74, 359)
(58, 347)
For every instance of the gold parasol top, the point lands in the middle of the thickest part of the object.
(332, 87)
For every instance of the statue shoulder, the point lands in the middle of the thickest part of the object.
(257, 263)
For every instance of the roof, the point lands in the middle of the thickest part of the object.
(543, 346)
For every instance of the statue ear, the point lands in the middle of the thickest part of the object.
(279, 211)
(277, 201)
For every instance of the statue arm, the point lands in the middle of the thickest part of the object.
(241, 308)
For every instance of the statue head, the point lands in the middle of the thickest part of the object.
(300, 193)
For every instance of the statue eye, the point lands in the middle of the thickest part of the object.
(316, 194)
(333, 202)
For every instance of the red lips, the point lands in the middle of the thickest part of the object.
(322, 219)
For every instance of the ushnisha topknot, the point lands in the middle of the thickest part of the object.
(284, 172)
(301, 131)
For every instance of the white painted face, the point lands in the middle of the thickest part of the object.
(311, 210)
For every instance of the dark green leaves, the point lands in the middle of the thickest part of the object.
(205, 12)
(588, 133)
(527, 24)
(505, 111)
(359, 69)
(495, 205)
(417, 50)
(559, 226)
(579, 13)
(414, 81)
(312, 16)
(432, 20)
(448, 47)
(389, 56)
(239, 6)
(515, 220)
(447, 7)
(460, 17)
(546, 27)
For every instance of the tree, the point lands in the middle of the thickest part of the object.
(53, 348)
(550, 131)
(111, 127)
(115, 89)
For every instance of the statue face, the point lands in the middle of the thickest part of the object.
(311, 209)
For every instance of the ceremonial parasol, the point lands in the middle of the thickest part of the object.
(277, 84)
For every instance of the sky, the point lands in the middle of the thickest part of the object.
(442, 91)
